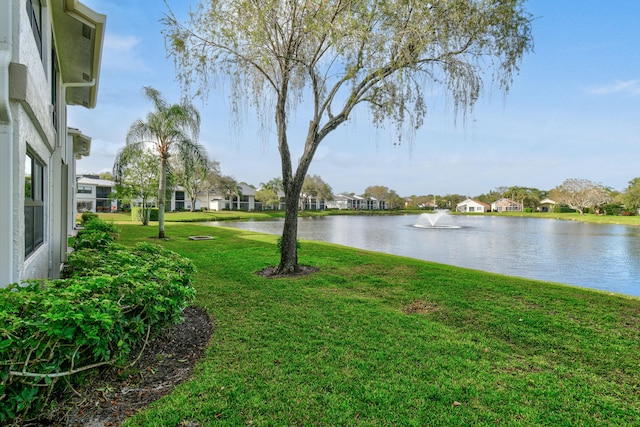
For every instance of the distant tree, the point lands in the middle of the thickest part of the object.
(580, 194)
(106, 175)
(529, 197)
(137, 177)
(212, 176)
(171, 128)
(378, 192)
(314, 188)
(270, 192)
(190, 170)
(491, 196)
(632, 196)
(394, 201)
(268, 197)
(274, 184)
(421, 201)
(228, 187)
(336, 55)
(450, 201)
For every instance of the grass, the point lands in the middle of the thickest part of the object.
(574, 216)
(380, 340)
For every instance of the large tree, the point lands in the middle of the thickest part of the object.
(580, 194)
(334, 55)
(169, 129)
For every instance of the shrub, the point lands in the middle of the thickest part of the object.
(96, 234)
(110, 300)
(88, 216)
(611, 209)
(138, 214)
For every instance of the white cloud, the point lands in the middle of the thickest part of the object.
(629, 87)
(120, 53)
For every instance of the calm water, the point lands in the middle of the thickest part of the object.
(605, 257)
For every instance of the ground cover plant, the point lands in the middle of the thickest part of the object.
(373, 339)
(111, 300)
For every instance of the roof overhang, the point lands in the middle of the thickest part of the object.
(81, 143)
(78, 32)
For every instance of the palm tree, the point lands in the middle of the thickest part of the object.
(169, 129)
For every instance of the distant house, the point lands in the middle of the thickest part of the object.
(50, 53)
(93, 194)
(308, 202)
(506, 205)
(343, 201)
(471, 205)
(546, 205)
(217, 201)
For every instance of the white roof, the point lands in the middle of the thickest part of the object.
(96, 182)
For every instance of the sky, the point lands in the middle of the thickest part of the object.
(573, 111)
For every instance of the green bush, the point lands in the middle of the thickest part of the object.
(111, 298)
(611, 209)
(137, 214)
(88, 216)
(153, 214)
(96, 234)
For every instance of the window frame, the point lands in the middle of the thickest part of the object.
(35, 18)
(34, 195)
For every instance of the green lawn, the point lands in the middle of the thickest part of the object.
(379, 340)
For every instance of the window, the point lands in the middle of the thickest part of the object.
(103, 205)
(103, 192)
(84, 206)
(54, 87)
(34, 10)
(33, 204)
(84, 189)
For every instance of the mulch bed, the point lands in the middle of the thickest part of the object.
(112, 396)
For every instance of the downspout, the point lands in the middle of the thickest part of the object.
(56, 248)
(7, 256)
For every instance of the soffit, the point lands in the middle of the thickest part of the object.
(78, 33)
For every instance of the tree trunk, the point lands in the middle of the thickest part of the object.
(289, 239)
(162, 192)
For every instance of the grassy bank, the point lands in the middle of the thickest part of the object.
(375, 339)
(574, 216)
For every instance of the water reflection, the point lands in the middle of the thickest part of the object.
(605, 257)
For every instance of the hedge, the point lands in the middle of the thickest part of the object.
(110, 300)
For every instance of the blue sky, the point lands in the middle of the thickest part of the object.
(572, 112)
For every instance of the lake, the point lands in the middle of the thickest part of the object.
(598, 256)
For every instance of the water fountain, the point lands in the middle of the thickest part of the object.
(431, 220)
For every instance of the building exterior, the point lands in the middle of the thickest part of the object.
(344, 201)
(93, 195)
(546, 205)
(245, 200)
(50, 54)
(506, 205)
(471, 205)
